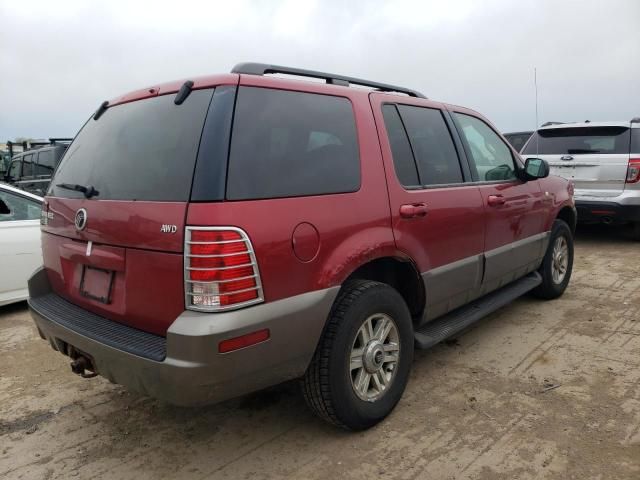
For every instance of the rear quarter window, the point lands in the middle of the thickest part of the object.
(287, 144)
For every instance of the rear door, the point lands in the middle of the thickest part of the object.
(595, 158)
(437, 218)
(117, 251)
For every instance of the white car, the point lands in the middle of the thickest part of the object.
(20, 250)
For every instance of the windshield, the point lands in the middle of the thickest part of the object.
(142, 150)
(578, 140)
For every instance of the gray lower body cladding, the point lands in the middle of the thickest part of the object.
(453, 285)
(192, 371)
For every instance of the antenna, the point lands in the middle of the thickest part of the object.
(535, 84)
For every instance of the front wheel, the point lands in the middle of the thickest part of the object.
(361, 365)
(557, 264)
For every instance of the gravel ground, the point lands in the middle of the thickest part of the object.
(536, 390)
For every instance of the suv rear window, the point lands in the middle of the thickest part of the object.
(635, 140)
(578, 140)
(46, 162)
(142, 150)
(287, 144)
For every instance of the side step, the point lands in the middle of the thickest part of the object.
(453, 322)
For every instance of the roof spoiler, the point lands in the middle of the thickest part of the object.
(330, 78)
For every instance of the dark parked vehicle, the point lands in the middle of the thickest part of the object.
(32, 169)
(518, 139)
(209, 238)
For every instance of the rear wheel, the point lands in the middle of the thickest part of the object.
(557, 264)
(362, 363)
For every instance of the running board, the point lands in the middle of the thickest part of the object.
(453, 322)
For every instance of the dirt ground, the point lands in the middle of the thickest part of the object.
(481, 406)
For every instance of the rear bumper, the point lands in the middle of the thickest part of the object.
(185, 368)
(607, 212)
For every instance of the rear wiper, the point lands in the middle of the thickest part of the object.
(88, 191)
(582, 150)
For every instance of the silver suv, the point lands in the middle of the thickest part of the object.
(602, 159)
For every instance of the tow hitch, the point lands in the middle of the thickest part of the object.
(81, 364)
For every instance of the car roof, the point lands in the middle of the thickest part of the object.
(9, 188)
(587, 124)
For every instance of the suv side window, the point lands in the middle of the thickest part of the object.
(21, 208)
(489, 154)
(635, 140)
(287, 144)
(46, 162)
(14, 169)
(403, 161)
(432, 145)
(27, 165)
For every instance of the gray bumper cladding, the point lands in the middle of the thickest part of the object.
(102, 330)
(185, 368)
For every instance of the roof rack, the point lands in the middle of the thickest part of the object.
(26, 146)
(331, 78)
(635, 120)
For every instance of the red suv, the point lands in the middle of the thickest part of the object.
(208, 238)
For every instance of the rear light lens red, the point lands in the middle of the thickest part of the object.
(633, 171)
(221, 271)
(243, 341)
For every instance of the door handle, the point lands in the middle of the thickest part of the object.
(412, 210)
(496, 200)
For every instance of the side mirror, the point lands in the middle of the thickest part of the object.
(4, 208)
(535, 168)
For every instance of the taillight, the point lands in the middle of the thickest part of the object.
(633, 171)
(220, 269)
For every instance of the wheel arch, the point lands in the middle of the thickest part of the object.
(398, 272)
(568, 215)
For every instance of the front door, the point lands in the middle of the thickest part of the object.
(437, 216)
(515, 240)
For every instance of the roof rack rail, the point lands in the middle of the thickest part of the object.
(546, 124)
(635, 120)
(331, 78)
(58, 140)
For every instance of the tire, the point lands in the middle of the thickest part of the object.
(551, 287)
(329, 383)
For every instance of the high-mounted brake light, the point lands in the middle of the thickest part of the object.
(633, 171)
(220, 269)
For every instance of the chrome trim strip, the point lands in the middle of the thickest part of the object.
(254, 263)
(221, 255)
(223, 281)
(212, 243)
(193, 294)
(221, 268)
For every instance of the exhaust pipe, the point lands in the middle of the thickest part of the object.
(82, 364)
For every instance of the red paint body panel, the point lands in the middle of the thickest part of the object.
(353, 227)
(122, 223)
(147, 290)
(173, 87)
